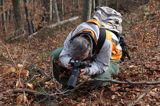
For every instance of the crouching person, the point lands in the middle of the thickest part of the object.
(94, 42)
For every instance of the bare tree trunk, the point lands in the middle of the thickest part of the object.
(98, 3)
(28, 19)
(93, 4)
(117, 7)
(51, 11)
(106, 2)
(87, 8)
(78, 5)
(3, 16)
(56, 10)
(62, 9)
(9, 15)
(73, 8)
(17, 14)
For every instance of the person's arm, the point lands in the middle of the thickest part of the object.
(65, 56)
(102, 61)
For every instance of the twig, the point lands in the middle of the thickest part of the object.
(32, 92)
(140, 96)
(132, 83)
(33, 78)
(121, 82)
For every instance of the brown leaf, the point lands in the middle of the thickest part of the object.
(19, 99)
(22, 98)
(20, 65)
(24, 73)
(19, 84)
(12, 69)
(30, 86)
(25, 99)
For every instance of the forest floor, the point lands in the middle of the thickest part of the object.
(142, 34)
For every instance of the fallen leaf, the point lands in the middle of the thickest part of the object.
(12, 69)
(19, 65)
(152, 93)
(19, 84)
(25, 99)
(22, 98)
(19, 99)
(30, 86)
(113, 96)
(132, 66)
(24, 73)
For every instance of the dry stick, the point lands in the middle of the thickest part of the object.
(111, 81)
(141, 96)
(133, 83)
(32, 92)
(118, 82)
(72, 90)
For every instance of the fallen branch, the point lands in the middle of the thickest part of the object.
(32, 92)
(63, 22)
(54, 25)
(132, 83)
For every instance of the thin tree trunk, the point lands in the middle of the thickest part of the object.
(73, 8)
(56, 10)
(51, 11)
(78, 5)
(17, 14)
(87, 9)
(28, 20)
(98, 3)
(107, 2)
(9, 15)
(62, 9)
(46, 9)
(3, 17)
(93, 4)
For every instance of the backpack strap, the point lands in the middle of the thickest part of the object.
(94, 21)
(100, 42)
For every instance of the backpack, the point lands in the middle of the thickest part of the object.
(111, 20)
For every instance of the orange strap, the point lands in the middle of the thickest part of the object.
(92, 34)
(108, 36)
(94, 21)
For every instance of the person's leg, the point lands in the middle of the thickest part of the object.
(113, 69)
(59, 72)
(55, 53)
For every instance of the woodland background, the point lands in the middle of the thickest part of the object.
(31, 29)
